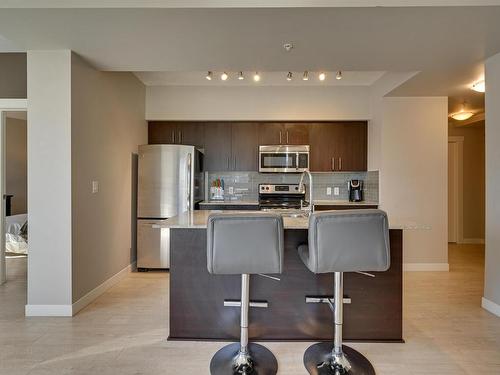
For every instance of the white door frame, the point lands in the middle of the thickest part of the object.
(6, 105)
(458, 185)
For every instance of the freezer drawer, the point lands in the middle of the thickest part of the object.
(153, 244)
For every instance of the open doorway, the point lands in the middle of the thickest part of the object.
(13, 190)
(15, 197)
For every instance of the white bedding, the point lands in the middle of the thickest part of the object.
(14, 242)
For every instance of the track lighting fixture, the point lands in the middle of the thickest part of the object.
(256, 77)
(240, 76)
(224, 76)
(339, 75)
(209, 76)
(322, 76)
(305, 77)
(289, 76)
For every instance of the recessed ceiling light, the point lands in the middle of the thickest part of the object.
(462, 115)
(256, 77)
(240, 76)
(209, 76)
(322, 76)
(305, 77)
(338, 75)
(479, 86)
(289, 76)
(224, 76)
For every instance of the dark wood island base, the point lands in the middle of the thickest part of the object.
(197, 309)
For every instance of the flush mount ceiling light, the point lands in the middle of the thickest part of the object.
(289, 76)
(462, 115)
(240, 76)
(305, 77)
(322, 76)
(224, 76)
(338, 75)
(288, 47)
(209, 76)
(479, 86)
(256, 77)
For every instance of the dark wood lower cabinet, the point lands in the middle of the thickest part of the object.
(196, 297)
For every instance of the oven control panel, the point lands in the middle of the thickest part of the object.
(281, 189)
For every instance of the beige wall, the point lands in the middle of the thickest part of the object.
(473, 179)
(492, 254)
(13, 76)
(16, 164)
(49, 182)
(257, 103)
(413, 175)
(108, 124)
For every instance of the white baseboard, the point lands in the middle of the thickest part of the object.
(490, 306)
(48, 310)
(100, 289)
(71, 310)
(479, 241)
(426, 267)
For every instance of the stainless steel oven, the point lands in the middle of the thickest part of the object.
(283, 158)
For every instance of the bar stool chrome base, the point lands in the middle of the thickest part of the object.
(263, 361)
(318, 359)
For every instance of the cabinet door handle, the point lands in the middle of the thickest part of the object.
(173, 136)
(280, 136)
(340, 163)
(287, 141)
(234, 164)
(180, 136)
(333, 164)
(228, 162)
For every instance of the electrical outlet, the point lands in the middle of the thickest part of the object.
(328, 190)
(95, 187)
(336, 190)
(231, 190)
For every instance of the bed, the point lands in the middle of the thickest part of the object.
(16, 234)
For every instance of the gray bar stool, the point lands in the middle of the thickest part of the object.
(343, 241)
(246, 243)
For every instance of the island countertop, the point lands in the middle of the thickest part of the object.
(199, 218)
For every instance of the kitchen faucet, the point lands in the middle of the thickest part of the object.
(301, 186)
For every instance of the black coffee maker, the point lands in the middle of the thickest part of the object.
(355, 188)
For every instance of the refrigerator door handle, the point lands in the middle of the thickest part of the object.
(188, 170)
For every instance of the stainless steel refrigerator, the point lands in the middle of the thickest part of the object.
(170, 181)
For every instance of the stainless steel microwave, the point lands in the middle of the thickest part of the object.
(283, 158)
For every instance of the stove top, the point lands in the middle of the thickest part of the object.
(280, 196)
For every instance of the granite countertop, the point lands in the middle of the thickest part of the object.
(231, 202)
(331, 202)
(317, 202)
(198, 219)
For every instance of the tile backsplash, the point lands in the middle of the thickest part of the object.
(245, 184)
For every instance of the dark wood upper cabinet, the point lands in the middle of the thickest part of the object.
(233, 146)
(217, 146)
(161, 132)
(174, 132)
(296, 133)
(245, 146)
(271, 133)
(337, 146)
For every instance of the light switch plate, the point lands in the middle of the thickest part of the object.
(95, 187)
(231, 190)
(336, 190)
(328, 190)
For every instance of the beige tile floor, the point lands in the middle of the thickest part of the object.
(123, 332)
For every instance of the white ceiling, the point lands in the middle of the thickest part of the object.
(267, 79)
(236, 4)
(446, 44)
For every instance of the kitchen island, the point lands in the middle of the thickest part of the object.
(373, 306)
